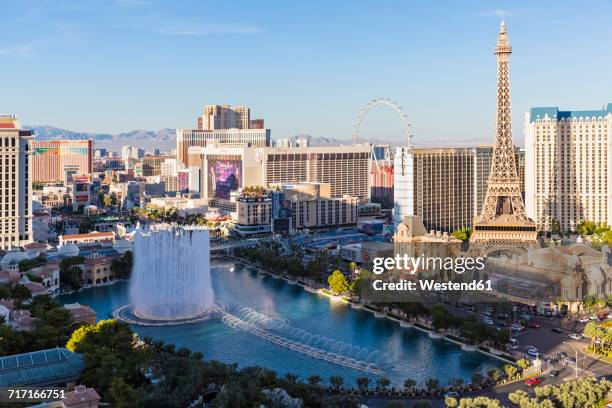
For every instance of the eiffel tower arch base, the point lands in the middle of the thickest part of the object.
(485, 248)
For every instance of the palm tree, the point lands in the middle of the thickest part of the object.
(336, 381)
(409, 383)
(591, 330)
(494, 374)
(314, 379)
(363, 383)
(510, 370)
(432, 384)
(383, 383)
(455, 382)
(292, 378)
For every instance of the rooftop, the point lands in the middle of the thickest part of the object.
(554, 113)
(42, 367)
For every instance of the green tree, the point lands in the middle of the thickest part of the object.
(383, 383)
(121, 394)
(510, 370)
(363, 383)
(336, 381)
(337, 282)
(409, 383)
(314, 379)
(21, 293)
(523, 363)
(464, 233)
(432, 384)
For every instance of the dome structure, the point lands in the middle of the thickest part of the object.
(12, 258)
(68, 250)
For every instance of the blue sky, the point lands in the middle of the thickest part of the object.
(304, 66)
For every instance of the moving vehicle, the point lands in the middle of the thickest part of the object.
(584, 319)
(516, 327)
(554, 373)
(575, 336)
(556, 330)
(533, 326)
(452, 394)
(530, 382)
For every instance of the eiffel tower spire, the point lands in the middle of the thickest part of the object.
(503, 221)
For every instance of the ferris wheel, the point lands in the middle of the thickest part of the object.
(382, 102)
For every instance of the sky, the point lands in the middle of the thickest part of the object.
(306, 67)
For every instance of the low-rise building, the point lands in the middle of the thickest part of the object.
(81, 397)
(97, 271)
(81, 313)
(51, 367)
(92, 237)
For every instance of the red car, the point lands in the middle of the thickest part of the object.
(530, 382)
(533, 326)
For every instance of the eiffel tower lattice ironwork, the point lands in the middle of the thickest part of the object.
(503, 223)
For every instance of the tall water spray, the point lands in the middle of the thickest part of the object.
(171, 276)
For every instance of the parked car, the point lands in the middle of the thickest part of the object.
(575, 336)
(451, 394)
(584, 319)
(593, 317)
(554, 373)
(530, 382)
(533, 353)
(556, 330)
(533, 326)
(516, 327)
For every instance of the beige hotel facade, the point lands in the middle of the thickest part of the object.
(568, 164)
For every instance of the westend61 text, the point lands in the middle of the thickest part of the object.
(406, 285)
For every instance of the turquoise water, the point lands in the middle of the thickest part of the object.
(412, 353)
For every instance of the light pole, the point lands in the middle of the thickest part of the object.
(576, 364)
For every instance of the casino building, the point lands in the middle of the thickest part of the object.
(54, 160)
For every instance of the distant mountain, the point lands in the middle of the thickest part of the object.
(49, 132)
(147, 139)
(165, 139)
(328, 141)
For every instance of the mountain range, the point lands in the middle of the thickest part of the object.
(165, 139)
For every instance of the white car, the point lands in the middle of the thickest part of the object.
(533, 353)
(516, 327)
(487, 321)
(532, 348)
(575, 336)
(584, 320)
(594, 317)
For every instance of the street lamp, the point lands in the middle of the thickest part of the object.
(576, 364)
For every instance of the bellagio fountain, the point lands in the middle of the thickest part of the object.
(170, 281)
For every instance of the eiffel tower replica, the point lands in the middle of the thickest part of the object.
(503, 225)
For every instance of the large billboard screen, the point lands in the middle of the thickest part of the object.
(224, 176)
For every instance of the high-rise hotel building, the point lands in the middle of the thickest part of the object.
(52, 160)
(224, 117)
(186, 138)
(568, 165)
(446, 187)
(15, 184)
(227, 169)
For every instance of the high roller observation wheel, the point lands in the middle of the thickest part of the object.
(382, 102)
